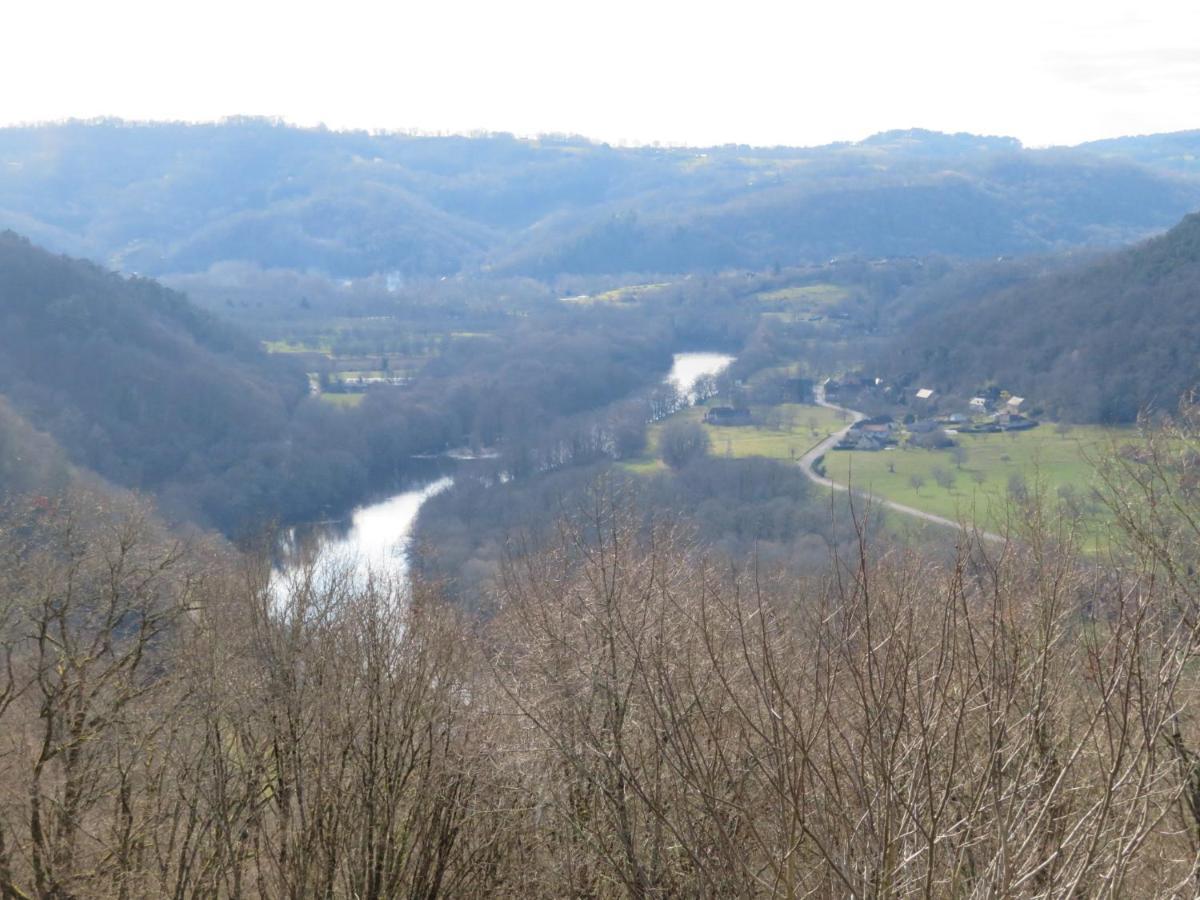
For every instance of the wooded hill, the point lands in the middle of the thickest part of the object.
(1098, 342)
(162, 199)
(130, 378)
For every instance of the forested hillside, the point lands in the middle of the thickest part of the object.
(163, 198)
(139, 385)
(128, 375)
(1098, 342)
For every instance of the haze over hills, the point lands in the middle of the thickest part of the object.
(172, 198)
(1099, 342)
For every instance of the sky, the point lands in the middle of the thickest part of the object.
(623, 71)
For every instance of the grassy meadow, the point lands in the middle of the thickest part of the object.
(629, 294)
(977, 488)
(791, 430)
(974, 486)
(345, 401)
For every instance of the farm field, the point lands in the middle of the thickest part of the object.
(809, 295)
(810, 302)
(629, 294)
(978, 487)
(799, 427)
(290, 346)
(343, 400)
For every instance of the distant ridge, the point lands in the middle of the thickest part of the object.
(174, 198)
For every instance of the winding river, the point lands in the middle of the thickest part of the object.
(379, 534)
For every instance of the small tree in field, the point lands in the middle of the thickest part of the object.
(943, 477)
(681, 442)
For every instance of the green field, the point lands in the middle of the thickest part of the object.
(977, 488)
(809, 295)
(623, 295)
(346, 401)
(808, 302)
(644, 466)
(296, 347)
(793, 429)
(994, 467)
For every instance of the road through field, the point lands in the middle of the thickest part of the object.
(808, 461)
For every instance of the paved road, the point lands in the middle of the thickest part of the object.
(809, 459)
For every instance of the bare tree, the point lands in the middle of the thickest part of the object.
(1012, 719)
(91, 597)
(943, 478)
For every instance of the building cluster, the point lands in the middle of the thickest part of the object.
(984, 414)
(872, 434)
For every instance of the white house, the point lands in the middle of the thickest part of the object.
(924, 394)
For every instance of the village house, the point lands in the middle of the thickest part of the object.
(869, 434)
(865, 442)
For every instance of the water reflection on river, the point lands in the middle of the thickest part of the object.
(689, 368)
(376, 541)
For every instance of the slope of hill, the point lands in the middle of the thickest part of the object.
(164, 199)
(1099, 342)
(140, 386)
(130, 377)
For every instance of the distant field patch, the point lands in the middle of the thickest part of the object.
(346, 401)
(813, 295)
(787, 432)
(643, 466)
(296, 347)
(618, 296)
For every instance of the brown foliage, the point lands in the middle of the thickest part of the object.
(636, 719)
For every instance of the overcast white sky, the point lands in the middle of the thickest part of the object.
(637, 71)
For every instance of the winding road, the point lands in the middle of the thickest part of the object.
(809, 460)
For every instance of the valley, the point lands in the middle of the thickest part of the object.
(394, 515)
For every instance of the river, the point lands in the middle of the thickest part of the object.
(376, 540)
(379, 534)
(689, 368)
